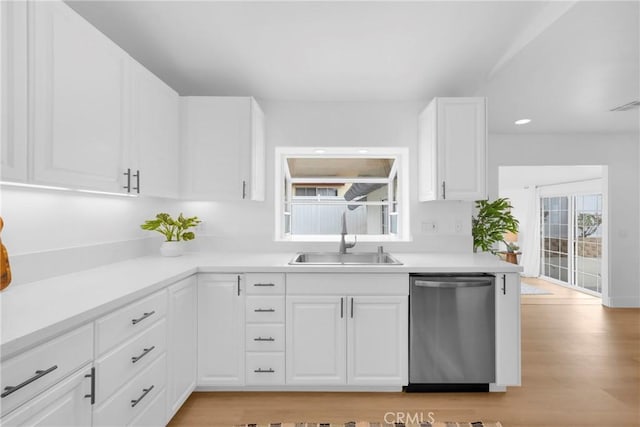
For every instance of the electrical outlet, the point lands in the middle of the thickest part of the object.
(458, 226)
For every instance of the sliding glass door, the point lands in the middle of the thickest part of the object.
(571, 240)
(555, 238)
(587, 253)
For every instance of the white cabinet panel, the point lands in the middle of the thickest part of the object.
(377, 337)
(223, 145)
(65, 405)
(220, 330)
(452, 150)
(156, 133)
(81, 101)
(316, 340)
(13, 93)
(182, 353)
(508, 329)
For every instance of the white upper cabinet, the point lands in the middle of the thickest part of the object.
(81, 101)
(452, 150)
(13, 92)
(223, 147)
(156, 134)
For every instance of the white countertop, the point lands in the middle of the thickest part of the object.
(34, 312)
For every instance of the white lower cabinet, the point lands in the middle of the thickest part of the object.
(377, 338)
(221, 330)
(182, 343)
(355, 339)
(66, 404)
(316, 340)
(508, 371)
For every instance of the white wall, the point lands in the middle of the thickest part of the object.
(249, 225)
(51, 232)
(620, 154)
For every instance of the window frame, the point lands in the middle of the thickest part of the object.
(401, 170)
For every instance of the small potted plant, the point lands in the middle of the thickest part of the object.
(492, 221)
(174, 231)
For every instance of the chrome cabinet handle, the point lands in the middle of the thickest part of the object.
(92, 396)
(145, 391)
(341, 308)
(263, 284)
(264, 339)
(144, 316)
(244, 190)
(444, 190)
(504, 284)
(264, 310)
(264, 371)
(238, 285)
(38, 374)
(137, 177)
(352, 307)
(145, 351)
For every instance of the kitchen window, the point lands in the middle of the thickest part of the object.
(316, 186)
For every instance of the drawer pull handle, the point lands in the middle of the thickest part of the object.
(144, 316)
(145, 391)
(264, 284)
(265, 310)
(264, 371)
(92, 396)
(38, 374)
(145, 351)
(264, 339)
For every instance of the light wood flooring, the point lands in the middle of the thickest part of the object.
(580, 367)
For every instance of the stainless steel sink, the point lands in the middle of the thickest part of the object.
(335, 258)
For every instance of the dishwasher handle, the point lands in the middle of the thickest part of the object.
(457, 284)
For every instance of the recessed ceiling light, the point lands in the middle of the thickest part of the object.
(522, 121)
(319, 151)
(363, 151)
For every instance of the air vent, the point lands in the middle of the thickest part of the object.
(627, 107)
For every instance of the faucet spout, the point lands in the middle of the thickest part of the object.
(343, 244)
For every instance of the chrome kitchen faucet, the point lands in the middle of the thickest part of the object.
(343, 244)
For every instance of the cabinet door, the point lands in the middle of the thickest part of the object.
(508, 329)
(377, 334)
(13, 94)
(182, 342)
(220, 330)
(216, 141)
(155, 134)
(80, 78)
(257, 172)
(462, 135)
(316, 340)
(65, 404)
(452, 150)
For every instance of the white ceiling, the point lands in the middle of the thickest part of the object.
(564, 65)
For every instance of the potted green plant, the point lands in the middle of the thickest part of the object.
(492, 221)
(174, 231)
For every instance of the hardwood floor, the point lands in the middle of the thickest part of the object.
(580, 367)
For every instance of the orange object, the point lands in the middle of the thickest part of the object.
(5, 268)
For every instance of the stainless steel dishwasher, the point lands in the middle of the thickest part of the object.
(451, 332)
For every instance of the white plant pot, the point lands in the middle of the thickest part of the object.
(173, 248)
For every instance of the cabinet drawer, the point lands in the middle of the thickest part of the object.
(265, 309)
(134, 397)
(264, 337)
(154, 414)
(123, 363)
(128, 321)
(265, 283)
(37, 369)
(265, 368)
